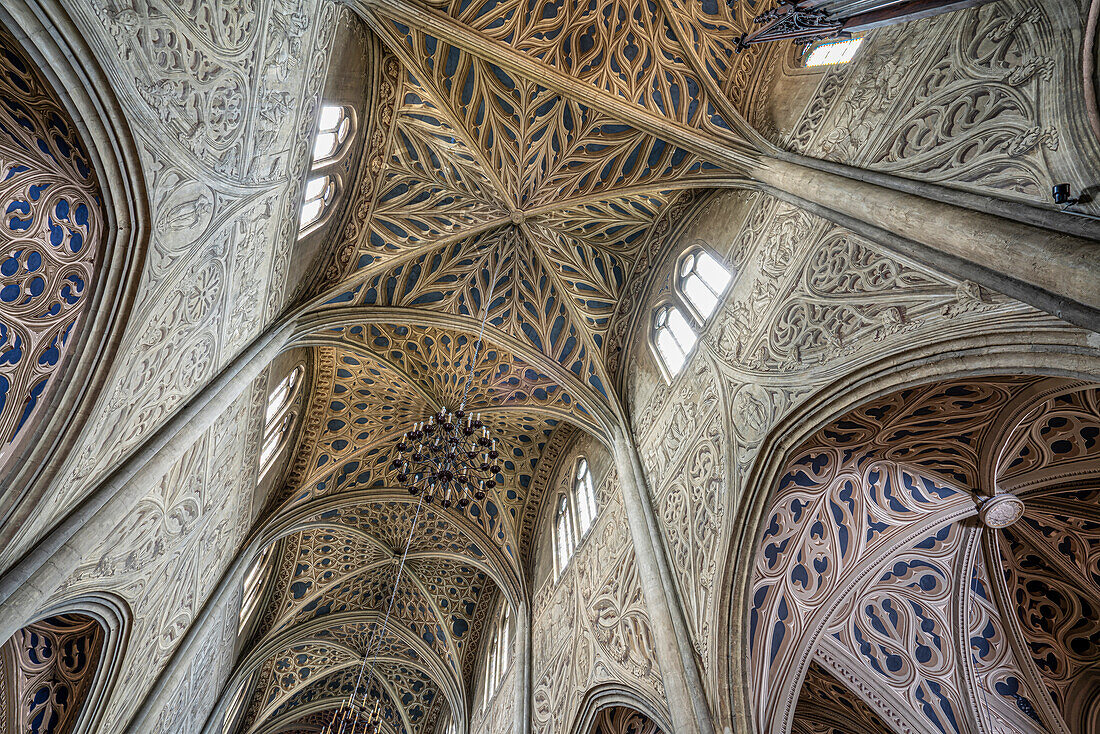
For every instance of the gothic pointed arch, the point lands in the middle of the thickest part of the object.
(73, 237)
(610, 709)
(57, 672)
(945, 606)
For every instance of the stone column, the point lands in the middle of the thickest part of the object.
(26, 587)
(1047, 259)
(522, 663)
(680, 674)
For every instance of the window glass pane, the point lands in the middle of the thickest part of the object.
(331, 116)
(681, 330)
(324, 146)
(671, 353)
(700, 295)
(585, 498)
(315, 187)
(311, 212)
(832, 52)
(715, 276)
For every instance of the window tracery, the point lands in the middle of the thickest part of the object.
(584, 497)
(565, 540)
(49, 669)
(279, 418)
(333, 132)
(320, 192)
(52, 228)
(701, 282)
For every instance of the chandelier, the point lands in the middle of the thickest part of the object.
(450, 457)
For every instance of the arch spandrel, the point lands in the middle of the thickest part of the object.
(963, 617)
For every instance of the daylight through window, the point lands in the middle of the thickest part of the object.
(674, 338)
(836, 51)
(319, 193)
(332, 132)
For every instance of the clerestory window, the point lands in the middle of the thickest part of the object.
(565, 540)
(333, 131)
(702, 281)
(278, 419)
(320, 192)
(831, 52)
(673, 337)
(498, 657)
(584, 497)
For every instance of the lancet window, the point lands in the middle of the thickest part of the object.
(333, 132)
(584, 497)
(565, 540)
(320, 192)
(279, 419)
(701, 282)
(673, 337)
(831, 52)
(497, 661)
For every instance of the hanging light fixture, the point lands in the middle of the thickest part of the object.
(450, 456)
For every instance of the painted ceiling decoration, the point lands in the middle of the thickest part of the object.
(527, 162)
(935, 545)
(53, 224)
(495, 196)
(47, 671)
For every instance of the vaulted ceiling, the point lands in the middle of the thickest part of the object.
(520, 157)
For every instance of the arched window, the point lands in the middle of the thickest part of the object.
(564, 538)
(333, 130)
(252, 589)
(584, 497)
(673, 337)
(498, 658)
(702, 281)
(831, 51)
(319, 194)
(279, 419)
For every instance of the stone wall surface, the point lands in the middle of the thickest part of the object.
(972, 100)
(222, 103)
(590, 625)
(221, 98)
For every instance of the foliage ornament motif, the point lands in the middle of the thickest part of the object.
(53, 224)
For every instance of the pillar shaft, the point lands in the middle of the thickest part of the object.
(1054, 270)
(680, 675)
(26, 587)
(522, 662)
